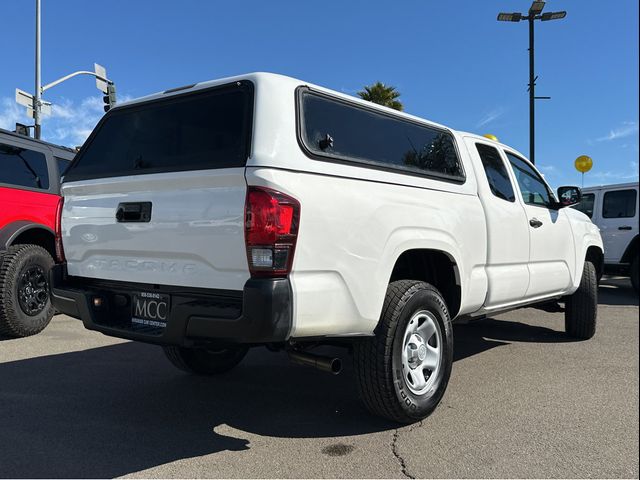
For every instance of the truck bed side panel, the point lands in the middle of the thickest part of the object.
(351, 233)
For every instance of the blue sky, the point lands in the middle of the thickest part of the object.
(451, 60)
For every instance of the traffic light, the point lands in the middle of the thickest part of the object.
(110, 97)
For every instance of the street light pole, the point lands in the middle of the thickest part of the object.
(532, 96)
(535, 13)
(38, 95)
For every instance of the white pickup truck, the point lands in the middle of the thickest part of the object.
(263, 210)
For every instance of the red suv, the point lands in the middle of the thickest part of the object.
(30, 173)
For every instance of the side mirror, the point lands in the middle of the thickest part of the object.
(568, 196)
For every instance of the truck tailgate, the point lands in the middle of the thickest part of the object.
(194, 236)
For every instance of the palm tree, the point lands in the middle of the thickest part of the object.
(382, 95)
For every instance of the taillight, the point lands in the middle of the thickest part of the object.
(58, 233)
(270, 231)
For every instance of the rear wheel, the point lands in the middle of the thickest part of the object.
(205, 361)
(635, 272)
(404, 370)
(25, 308)
(581, 308)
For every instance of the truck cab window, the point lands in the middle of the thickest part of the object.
(586, 204)
(534, 190)
(496, 172)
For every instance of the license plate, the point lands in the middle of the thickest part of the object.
(150, 309)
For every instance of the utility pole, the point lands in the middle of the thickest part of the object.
(37, 97)
(36, 106)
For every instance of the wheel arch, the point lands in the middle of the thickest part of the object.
(434, 266)
(589, 246)
(23, 232)
(595, 255)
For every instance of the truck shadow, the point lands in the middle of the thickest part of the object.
(111, 411)
(115, 410)
(617, 291)
(480, 336)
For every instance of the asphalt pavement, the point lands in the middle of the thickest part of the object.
(524, 400)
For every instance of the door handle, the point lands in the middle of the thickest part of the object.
(535, 223)
(625, 227)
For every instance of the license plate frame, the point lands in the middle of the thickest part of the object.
(150, 309)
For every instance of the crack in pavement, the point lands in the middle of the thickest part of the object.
(400, 460)
(396, 453)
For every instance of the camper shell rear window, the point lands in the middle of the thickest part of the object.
(203, 130)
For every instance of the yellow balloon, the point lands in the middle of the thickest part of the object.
(490, 137)
(583, 163)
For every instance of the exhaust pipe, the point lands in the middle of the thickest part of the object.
(326, 364)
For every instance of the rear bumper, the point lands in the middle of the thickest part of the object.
(261, 313)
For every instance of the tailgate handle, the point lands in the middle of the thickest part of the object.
(133, 212)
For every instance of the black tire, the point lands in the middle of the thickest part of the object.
(635, 272)
(382, 383)
(25, 307)
(581, 309)
(205, 361)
